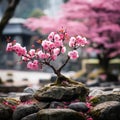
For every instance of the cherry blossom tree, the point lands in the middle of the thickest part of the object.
(98, 20)
(50, 50)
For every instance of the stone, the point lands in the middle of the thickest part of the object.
(30, 117)
(24, 110)
(5, 112)
(59, 114)
(12, 88)
(92, 83)
(79, 106)
(106, 111)
(42, 105)
(26, 97)
(96, 92)
(116, 90)
(107, 96)
(29, 90)
(56, 104)
(61, 93)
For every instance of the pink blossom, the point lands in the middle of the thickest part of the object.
(19, 49)
(56, 37)
(47, 45)
(43, 55)
(51, 45)
(72, 42)
(24, 51)
(25, 58)
(81, 41)
(9, 47)
(58, 43)
(84, 41)
(51, 36)
(16, 47)
(33, 65)
(51, 48)
(90, 118)
(54, 57)
(32, 52)
(73, 54)
(63, 50)
(56, 51)
(29, 65)
(88, 105)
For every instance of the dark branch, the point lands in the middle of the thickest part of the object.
(8, 14)
(64, 64)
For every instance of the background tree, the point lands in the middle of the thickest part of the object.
(12, 4)
(98, 20)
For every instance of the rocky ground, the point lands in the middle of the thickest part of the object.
(93, 100)
(61, 103)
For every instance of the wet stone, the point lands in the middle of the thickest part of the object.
(59, 114)
(24, 110)
(30, 117)
(55, 104)
(5, 112)
(106, 111)
(79, 106)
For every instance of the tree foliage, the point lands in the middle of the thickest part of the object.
(98, 20)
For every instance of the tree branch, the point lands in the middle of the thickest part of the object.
(8, 14)
(64, 64)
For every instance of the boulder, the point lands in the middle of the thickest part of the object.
(24, 110)
(30, 117)
(107, 96)
(79, 106)
(61, 93)
(59, 114)
(5, 112)
(106, 111)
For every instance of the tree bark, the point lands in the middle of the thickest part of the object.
(104, 63)
(12, 4)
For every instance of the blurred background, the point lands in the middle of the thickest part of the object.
(29, 21)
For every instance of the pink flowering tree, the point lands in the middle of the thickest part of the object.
(98, 20)
(49, 51)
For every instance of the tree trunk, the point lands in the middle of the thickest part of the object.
(12, 4)
(104, 64)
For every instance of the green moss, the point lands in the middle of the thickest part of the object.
(94, 100)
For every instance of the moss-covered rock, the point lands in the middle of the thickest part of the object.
(59, 114)
(61, 93)
(106, 111)
(105, 97)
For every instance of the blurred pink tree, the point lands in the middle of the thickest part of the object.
(98, 20)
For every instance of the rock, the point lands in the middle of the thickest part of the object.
(92, 83)
(24, 110)
(7, 89)
(59, 114)
(30, 117)
(5, 112)
(79, 106)
(26, 97)
(55, 104)
(61, 93)
(107, 96)
(116, 90)
(106, 111)
(96, 92)
(42, 105)
(29, 90)
(11, 102)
